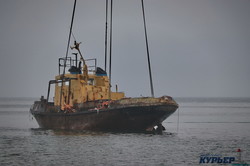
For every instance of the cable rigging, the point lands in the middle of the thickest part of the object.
(67, 51)
(110, 45)
(106, 35)
(146, 38)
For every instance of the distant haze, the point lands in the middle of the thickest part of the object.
(198, 48)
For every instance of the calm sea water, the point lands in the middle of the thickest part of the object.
(206, 126)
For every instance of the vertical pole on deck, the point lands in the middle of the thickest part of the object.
(48, 91)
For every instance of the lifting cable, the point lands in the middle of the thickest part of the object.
(110, 46)
(106, 35)
(146, 38)
(65, 60)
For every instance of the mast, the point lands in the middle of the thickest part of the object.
(146, 38)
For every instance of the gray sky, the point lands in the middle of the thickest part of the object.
(198, 48)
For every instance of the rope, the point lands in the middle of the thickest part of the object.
(73, 36)
(146, 38)
(178, 120)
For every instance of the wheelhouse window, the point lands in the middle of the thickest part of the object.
(91, 82)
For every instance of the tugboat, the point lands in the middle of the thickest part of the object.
(83, 100)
